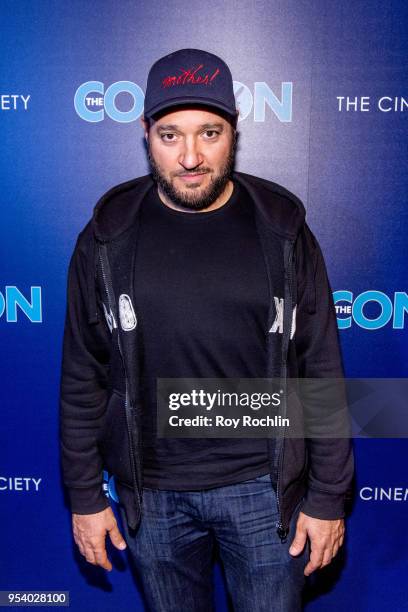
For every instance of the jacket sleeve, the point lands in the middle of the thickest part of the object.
(331, 461)
(83, 390)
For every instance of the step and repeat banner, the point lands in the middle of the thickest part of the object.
(322, 92)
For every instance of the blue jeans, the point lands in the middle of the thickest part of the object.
(174, 545)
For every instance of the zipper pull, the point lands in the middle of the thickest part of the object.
(282, 532)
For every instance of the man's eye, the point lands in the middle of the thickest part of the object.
(168, 137)
(211, 133)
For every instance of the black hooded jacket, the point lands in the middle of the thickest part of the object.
(100, 414)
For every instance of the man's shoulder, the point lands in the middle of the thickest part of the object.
(116, 208)
(263, 184)
(130, 186)
(279, 207)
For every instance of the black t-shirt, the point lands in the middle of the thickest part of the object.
(202, 300)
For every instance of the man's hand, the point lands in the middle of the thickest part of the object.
(325, 536)
(89, 534)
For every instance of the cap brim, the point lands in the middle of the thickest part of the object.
(189, 100)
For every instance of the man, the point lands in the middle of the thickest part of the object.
(197, 271)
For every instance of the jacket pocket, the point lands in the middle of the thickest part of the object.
(295, 458)
(295, 462)
(113, 441)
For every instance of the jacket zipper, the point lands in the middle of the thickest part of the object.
(281, 529)
(109, 291)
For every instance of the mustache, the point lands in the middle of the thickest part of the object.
(190, 172)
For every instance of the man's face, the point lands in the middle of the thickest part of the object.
(191, 153)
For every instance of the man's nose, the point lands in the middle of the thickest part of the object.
(190, 157)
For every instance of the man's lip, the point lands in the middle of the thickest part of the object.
(191, 177)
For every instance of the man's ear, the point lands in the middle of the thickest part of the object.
(145, 125)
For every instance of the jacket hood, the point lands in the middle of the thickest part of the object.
(116, 210)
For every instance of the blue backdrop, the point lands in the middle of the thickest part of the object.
(321, 88)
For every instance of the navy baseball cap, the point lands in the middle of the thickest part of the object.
(189, 76)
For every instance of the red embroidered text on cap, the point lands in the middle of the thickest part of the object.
(190, 76)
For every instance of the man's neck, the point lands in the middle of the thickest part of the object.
(218, 203)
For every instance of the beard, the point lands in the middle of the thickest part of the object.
(190, 197)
